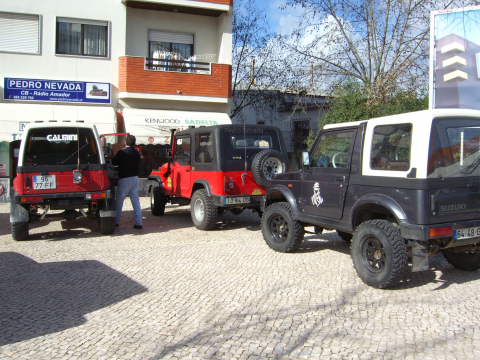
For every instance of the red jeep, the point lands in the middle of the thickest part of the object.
(61, 166)
(217, 169)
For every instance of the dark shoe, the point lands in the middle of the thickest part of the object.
(117, 225)
(137, 226)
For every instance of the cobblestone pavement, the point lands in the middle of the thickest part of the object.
(170, 291)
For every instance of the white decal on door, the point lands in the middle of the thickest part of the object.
(317, 200)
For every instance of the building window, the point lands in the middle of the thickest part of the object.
(301, 130)
(19, 33)
(82, 37)
(170, 46)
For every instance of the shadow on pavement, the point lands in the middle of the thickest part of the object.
(43, 298)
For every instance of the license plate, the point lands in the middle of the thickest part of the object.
(41, 182)
(466, 233)
(237, 200)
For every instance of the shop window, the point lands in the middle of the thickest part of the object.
(20, 33)
(82, 37)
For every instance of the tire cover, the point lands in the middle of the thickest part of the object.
(258, 162)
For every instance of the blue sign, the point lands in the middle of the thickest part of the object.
(56, 90)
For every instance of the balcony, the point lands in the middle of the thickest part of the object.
(200, 7)
(149, 78)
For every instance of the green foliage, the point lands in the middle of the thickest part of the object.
(354, 101)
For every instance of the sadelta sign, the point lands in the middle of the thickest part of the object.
(154, 126)
(56, 90)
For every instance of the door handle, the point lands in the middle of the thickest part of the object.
(187, 170)
(340, 178)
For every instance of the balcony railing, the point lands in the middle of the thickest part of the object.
(177, 65)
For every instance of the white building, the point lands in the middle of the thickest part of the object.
(138, 66)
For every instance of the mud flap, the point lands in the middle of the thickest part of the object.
(419, 256)
(17, 212)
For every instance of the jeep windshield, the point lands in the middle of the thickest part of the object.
(249, 141)
(60, 146)
(454, 148)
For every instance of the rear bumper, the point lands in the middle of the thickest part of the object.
(84, 197)
(61, 201)
(237, 200)
(422, 232)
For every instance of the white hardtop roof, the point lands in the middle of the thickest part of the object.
(63, 124)
(425, 115)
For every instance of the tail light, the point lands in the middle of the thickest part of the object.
(27, 199)
(96, 196)
(228, 184)
(441, 231)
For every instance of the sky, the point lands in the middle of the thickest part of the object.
(281, 21)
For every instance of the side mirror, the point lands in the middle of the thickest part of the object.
(305, 158)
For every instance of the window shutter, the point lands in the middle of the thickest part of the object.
(175, 38)
(82, 21)
(19, 33)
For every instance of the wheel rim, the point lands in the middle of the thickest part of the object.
(373, 254)
(199, 209)
(271, 167)
(278, 228)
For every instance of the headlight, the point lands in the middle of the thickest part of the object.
(77, 176)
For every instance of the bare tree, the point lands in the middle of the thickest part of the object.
(382, 43)
(258, 70)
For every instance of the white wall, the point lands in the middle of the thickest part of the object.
(47, 65)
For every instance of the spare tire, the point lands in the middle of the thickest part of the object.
(266, 164)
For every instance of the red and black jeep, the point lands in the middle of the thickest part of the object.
(61, 166)
(217, 169)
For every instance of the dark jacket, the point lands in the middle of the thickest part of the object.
(128, 161)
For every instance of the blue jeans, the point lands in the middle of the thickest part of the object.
(128, 187)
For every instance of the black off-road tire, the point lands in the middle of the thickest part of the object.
(107, 225)
(468, 261)
(345, 236)
(20, 231)
(280, 231)
(204, 213)
(157, 202)
(379, 254)
(266, 164)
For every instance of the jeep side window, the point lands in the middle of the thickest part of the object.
(332, 150)
(203, 148)
(182, 150)
(391, 147)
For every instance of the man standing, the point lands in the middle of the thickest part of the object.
(128, 161)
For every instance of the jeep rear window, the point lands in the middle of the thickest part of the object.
(391, 147)
(454, 148)
(237, 143)
(60, 146)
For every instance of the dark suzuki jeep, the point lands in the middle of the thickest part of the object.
(60, 167)
(397, 184)
(217, 169)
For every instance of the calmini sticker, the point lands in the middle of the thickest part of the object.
(317, 200)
